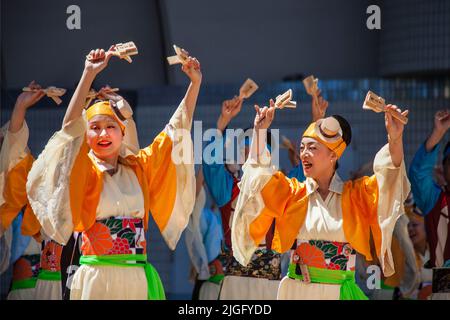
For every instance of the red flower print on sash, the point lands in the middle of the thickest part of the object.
(130, 223)
(120, 246)
(97, 240)
(336, 255)
(333, 266)
(22, 270)
(51, 256)
(311, 255)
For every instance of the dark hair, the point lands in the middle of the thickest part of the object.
(346, 129)
(346, 133)
(269, 135)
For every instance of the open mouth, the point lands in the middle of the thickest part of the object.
(307, 165)
(104, 144)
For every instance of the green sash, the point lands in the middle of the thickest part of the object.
(29, 283)
(216, 278)
(385, 286)
(155, 287)
(349, 289)
(49, 275)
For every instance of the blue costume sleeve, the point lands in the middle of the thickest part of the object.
(218, 179)
(297, 172)
(211, 229)
(425, 191)
(19, 241)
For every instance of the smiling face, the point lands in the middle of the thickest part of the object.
(104, 137)
(317, 159)
(416, 231)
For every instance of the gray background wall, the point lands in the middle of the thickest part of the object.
(267, 40)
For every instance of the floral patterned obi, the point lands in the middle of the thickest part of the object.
(264, 264)
(115, 235)
(26, 267)
(324, 254)
(51, 256)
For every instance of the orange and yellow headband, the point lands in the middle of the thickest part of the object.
(412, 214)
(333, 140)
(103, 108)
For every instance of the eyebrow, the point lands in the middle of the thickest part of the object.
(102, 121)
(308, 143)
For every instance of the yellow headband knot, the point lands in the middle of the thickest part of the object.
(333, 140)
(413, 213)
(103, 108)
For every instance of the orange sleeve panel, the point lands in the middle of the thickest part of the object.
(15, 193)
(86, 184)
(285, 201)
(360, 214)
(160, 173)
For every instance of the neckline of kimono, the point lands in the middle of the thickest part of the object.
(336, 185)
(104, 166)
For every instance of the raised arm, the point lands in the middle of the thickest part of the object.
(319, 106)
(13, 148)
(218, 179)
(230, 109)
(425, 189)
(92, 68)
(395, 135)
(24, 101)
(263, 119)
(441, 126)
(193, 71)
(265, 195)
